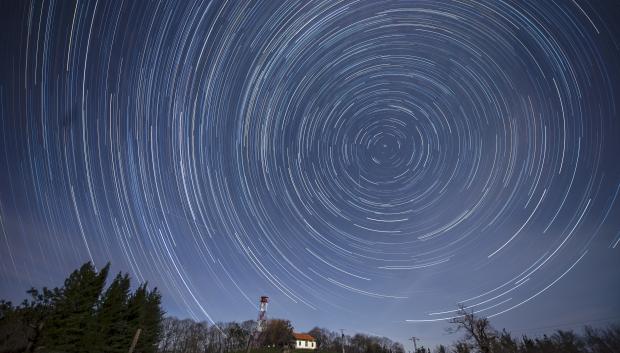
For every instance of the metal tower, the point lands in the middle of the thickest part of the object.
(262, 313)
(260, 323)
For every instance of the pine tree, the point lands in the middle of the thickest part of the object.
(79, 318)
(145, 313)
(153, 316)
(72, 326)
(135, 307)
(112, 317)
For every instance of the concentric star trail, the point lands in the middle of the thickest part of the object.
(402, 156)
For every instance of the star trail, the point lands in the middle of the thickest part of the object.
(363, 163)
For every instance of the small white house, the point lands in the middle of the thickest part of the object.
(304, 341)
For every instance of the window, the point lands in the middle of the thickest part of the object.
(306, 342)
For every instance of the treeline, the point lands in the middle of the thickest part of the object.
(330, 341)
(83, 316)
(86, 316)
(480, 337)
(188, 336)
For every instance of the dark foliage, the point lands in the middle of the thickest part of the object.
(81, 317)
(277, 333)
(84, 316)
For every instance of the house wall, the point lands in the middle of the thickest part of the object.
(301, 344)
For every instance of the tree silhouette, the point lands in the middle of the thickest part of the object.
(478, 331)
(111, 316)
(72, 325)
(277, 333)
(81, 317)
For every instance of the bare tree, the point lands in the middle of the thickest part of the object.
(441, 349)
(461, 347)
(478, 330)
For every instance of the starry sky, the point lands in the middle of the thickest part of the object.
(366, 164)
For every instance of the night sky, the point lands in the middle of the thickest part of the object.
(366, 164)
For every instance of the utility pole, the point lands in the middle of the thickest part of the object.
(415, 346)
(342, 338)
(135, 340)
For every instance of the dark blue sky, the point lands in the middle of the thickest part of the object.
(367, 164)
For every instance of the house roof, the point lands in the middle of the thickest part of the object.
(303, 336)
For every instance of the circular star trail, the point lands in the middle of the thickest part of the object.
(400, 155)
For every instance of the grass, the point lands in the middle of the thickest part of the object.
(279, 350)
